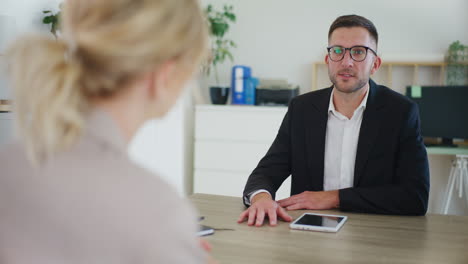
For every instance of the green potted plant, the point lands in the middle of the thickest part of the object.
(53, 19)
(219, 22)
(457, 64)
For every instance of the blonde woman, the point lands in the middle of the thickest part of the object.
(68, 192)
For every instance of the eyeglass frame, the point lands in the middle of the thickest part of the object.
(351, 55)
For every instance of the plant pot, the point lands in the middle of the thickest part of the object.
(219, 95)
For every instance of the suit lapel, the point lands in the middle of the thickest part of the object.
(316, 127)
(369, 130)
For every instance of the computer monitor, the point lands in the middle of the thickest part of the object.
(443, 111)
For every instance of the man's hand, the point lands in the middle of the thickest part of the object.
(262, 205)
(312, 200)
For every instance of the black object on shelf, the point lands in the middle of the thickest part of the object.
(219, 95)
(275, 96)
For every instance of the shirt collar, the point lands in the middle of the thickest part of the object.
(331, 105)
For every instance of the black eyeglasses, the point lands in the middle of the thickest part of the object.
(358, 53)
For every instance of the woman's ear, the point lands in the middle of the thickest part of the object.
(162, 79)
(156, 82)
(159, 89)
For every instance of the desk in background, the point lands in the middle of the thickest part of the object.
(363, 239)
(447, 151)
(458, 175)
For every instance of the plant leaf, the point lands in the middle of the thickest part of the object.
(47, 20)
(231, 58)
(219, 22)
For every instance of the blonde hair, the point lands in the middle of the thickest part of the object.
(105, 44)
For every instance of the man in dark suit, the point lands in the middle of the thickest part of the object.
(355, 146)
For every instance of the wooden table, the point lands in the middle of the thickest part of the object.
(364, 238)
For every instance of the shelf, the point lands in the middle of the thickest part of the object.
(405, 63)
(457, 64)
(5, 106)
(394, 74)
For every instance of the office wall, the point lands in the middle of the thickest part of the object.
(281, 39)
(27, 13)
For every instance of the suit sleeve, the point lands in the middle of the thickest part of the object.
(275, 166)
(408, 192)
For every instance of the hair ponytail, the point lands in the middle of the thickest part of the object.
(112, 44)
(48, 105)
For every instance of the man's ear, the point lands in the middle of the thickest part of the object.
(376, 64)
(326, 59)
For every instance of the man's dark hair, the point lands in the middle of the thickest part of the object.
(354, 21)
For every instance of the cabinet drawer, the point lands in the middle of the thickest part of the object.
(238, 122)
(229, 155)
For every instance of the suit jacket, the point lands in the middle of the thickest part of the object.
(391, 174)
(91, 204)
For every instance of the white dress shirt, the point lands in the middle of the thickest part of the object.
(340, 147)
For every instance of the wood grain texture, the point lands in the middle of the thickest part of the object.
(364, 238)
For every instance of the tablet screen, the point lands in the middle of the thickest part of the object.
(319, 220)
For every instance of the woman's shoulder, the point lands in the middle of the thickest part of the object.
(12, 155)
(95, 194)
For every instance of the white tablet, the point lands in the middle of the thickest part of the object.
(319, 222)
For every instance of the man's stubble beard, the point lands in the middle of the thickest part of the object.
(359, 85)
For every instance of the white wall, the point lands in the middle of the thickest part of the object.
(281, 39)
(28, 13)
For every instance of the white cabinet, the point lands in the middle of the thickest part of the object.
(229, 143)
(6, 128)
